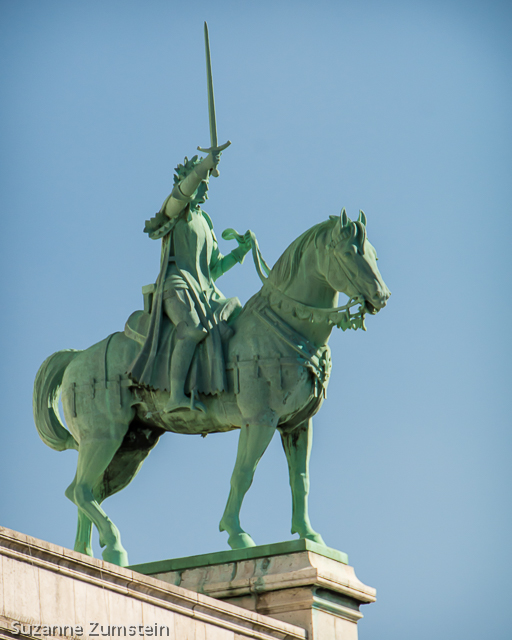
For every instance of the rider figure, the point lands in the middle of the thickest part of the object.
(185, 289)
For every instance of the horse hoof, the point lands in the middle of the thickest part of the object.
(116, 556)
(240, 541)
(87, 551)
(315, 537)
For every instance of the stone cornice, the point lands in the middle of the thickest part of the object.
(49, 557)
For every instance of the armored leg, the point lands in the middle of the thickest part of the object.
(189, 333)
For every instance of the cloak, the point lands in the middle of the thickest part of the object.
(190, 250)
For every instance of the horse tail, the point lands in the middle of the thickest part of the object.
(45, 401)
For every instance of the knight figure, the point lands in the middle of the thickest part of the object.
(189, 314)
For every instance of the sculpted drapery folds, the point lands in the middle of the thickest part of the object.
(189, 314)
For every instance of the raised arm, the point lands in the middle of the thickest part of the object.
(184, 191)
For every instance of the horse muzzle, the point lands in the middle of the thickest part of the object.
(377, 301)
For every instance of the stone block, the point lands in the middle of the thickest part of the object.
(2, 612)
(80, 590)
(300, 583)
(219, 634)
(43, 584)
(21, 589)
(57, 600)
(128, 611)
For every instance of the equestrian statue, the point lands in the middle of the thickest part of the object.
(194, 362)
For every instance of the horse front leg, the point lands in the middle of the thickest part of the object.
(252, 443)
(297, 447)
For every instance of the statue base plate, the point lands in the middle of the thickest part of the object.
(299, 582)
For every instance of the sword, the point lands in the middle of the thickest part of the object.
(211, 105)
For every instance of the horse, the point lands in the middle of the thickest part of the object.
(277, 366)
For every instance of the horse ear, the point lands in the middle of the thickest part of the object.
(343, 218)
(362, 218)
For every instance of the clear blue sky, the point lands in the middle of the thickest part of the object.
(400, 108)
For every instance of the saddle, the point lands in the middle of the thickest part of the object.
(137, 326)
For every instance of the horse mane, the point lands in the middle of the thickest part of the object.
(285, 269)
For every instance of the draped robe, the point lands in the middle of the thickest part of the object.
(190, 260)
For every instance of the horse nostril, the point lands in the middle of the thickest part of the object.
(381, 297)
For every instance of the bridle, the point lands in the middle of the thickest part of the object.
(342, 317)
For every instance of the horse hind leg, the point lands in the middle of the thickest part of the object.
(94, 456)
(252, 444)
(83, 542)
(83, 539)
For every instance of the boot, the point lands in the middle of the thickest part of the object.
(180, 364)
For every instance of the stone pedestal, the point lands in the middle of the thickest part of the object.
(299, 582)
(47, 591)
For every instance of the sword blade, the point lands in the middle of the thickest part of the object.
(211, 98)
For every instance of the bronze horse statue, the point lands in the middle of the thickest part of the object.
(277, 365)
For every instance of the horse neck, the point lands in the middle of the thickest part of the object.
(310, 287)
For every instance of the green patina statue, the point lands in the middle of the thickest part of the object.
(195, 362)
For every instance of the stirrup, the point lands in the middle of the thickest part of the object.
(187, 405)
(170, 407)
(196, 405)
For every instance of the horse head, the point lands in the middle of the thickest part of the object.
(351, 263)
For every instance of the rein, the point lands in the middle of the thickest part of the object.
(262, 268)
(341, 317)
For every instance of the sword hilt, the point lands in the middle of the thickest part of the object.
(215, 172)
